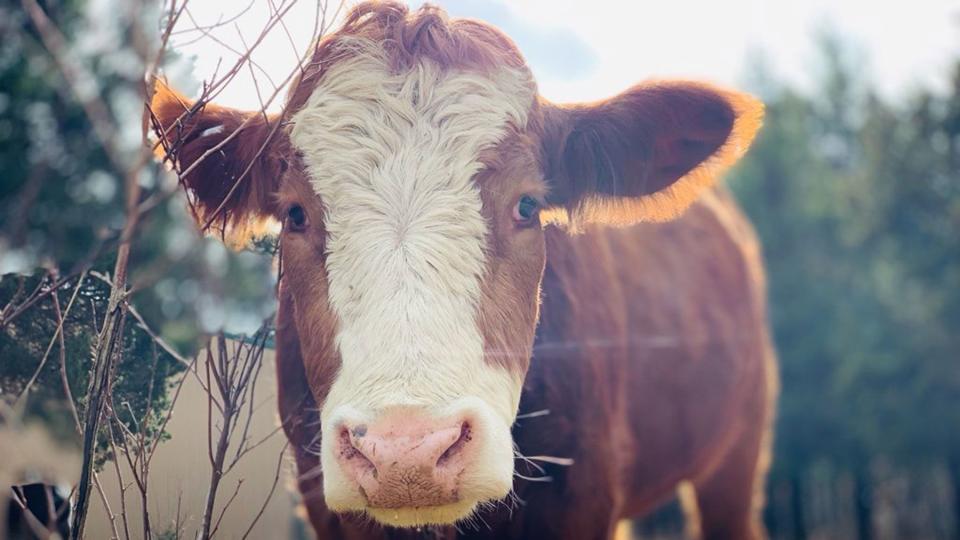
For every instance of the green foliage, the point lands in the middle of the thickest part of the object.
(857, 202)
(139, 392)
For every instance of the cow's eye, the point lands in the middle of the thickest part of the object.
(296, 218)
(525, 211)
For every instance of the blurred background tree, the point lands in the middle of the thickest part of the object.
(857, 202)
(61, 212)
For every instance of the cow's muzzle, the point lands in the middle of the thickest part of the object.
(406, 459)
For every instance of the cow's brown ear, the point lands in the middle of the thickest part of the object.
(227, 159)
(645, 154)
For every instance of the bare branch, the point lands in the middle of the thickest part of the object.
(273, 487)
(58, 333)
(232, 372)
(226, 506)
(63, 351)
(123, 486)
(11, 312)
(220, 22)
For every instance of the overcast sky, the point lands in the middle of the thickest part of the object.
(583, 50)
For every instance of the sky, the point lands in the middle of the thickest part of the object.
(589, 49)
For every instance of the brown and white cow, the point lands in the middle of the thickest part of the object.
(432, 287)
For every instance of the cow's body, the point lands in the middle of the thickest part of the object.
(653, 360)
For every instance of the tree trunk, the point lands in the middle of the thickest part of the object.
(797, 506)
(863, 503)
(953, 471)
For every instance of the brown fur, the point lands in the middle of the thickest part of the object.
(647, 345)
(645, 154)
(232, 197)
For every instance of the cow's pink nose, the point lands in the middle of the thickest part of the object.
(402, 461)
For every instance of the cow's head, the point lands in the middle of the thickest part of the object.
(413, 174)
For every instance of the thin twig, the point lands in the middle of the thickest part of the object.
(273, 487)
(58, 333)
(236, 491)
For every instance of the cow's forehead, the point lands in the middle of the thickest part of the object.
(363, 107)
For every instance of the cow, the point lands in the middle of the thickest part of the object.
(499, 317)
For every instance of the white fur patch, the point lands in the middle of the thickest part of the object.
(212, 131)
(393, 157)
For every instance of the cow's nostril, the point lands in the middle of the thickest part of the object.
(457, 446)
(349, 452)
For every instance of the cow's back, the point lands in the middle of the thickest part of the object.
(652, 354)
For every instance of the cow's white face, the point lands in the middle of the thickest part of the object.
(394, 159)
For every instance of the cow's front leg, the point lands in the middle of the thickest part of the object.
(731, 497)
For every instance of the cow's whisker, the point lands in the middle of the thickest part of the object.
(534, 414)
(487, 525)
(470, 522)
(511, 502)
(534, 478)
(314, 441)
(311, 474)
(565, 462)
(515, 499)
(518, 455)
(495, 504)
(312, 449)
